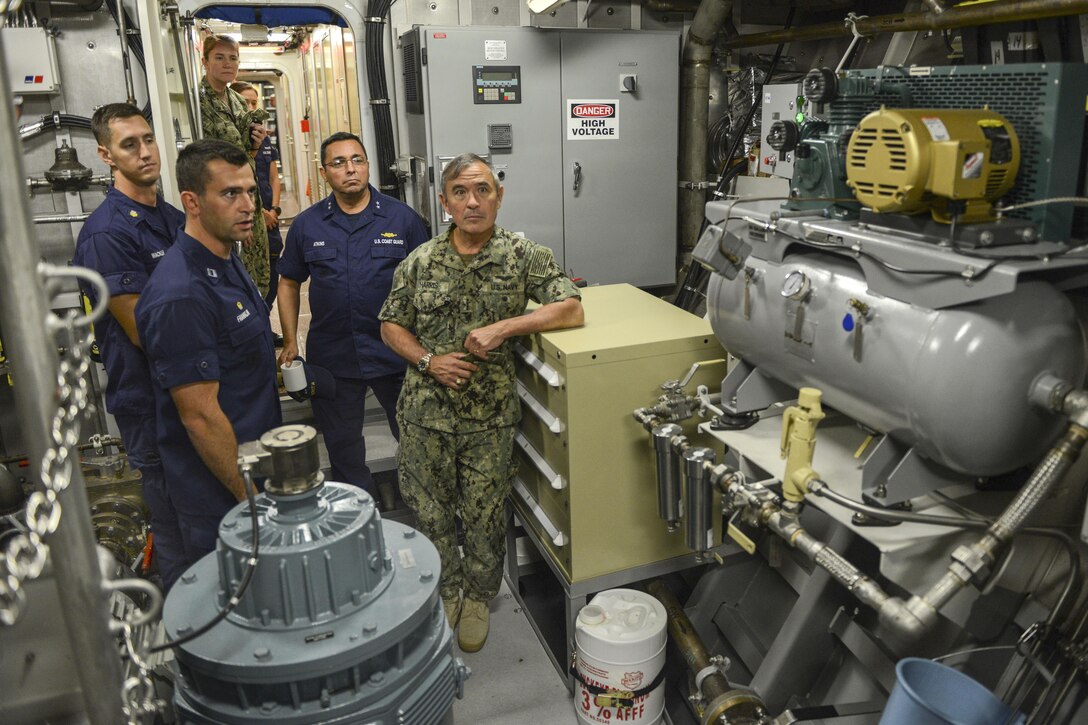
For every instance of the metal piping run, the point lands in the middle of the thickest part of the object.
(653, 416)
(126, 64)
(893, 611)
(969, 563)
(41, 183)
(959, 16)
(682, 634)
(61, 218)
(724, 702)
(184, 60)
(709, 19)
(24, 310)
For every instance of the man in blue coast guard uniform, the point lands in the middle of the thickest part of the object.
(209, 344)
(123, 240)
(348, 245)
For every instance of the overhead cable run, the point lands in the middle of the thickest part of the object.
(126, 26)
(135, 48)
(388, 181)
(959, 16)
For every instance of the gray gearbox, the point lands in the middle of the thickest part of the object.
(341, 621)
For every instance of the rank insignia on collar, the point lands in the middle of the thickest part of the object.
(133, 213)
(212, 273)
(239, 305)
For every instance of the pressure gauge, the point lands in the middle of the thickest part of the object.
(796, 286)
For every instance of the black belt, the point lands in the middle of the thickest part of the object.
(608, 697)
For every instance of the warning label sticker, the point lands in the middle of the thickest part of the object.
(593, 119)
(936, 127)
(972, 165)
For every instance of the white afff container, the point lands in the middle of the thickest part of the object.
(620, 641)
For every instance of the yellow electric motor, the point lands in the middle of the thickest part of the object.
(911, 160)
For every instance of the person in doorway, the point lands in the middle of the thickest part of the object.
(208, 343)
(455, 303)
(267, 160)
(347, 245)
(224, 115)
(123, 240)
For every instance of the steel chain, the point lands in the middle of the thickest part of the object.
(138, 692)
(26, 554)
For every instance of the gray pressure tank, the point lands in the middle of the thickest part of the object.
(954, 382)
(341, 623)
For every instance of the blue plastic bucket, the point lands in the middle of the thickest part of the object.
(929, 693)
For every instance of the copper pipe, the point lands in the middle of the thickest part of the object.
(687, 640)
(960, 16)
(723, 702)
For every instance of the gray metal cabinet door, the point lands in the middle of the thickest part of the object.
(619, 156)
(532, 203)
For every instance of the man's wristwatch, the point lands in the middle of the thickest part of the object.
(424, 362)
(276, 209)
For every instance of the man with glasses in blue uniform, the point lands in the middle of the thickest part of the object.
(348, 246)
(206, 335)
(123, 240)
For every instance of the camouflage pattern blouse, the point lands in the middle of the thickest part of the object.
(442, 299)
(230, 122)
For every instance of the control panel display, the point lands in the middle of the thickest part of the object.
(496, 84)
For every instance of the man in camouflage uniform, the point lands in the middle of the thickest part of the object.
(225, 115)
(454, 303)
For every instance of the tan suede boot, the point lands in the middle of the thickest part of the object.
(452, 605)
(475, 621)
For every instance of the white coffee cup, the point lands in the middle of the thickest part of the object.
(294, 376)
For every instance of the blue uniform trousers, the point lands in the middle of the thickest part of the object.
(199, 534)
(143, 455)
(275, 249)
(341, 422)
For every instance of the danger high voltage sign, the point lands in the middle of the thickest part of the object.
(593, 119)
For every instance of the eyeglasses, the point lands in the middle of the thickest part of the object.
(340, 162)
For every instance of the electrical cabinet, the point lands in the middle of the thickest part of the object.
(30, 55)
(780, 103)
(586, 482)
(581, 129)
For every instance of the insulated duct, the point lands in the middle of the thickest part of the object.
(695, 89)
